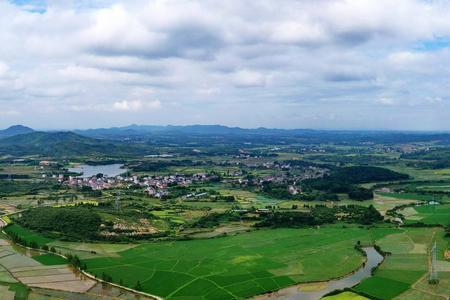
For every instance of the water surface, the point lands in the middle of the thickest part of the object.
(111, 170)
(293, 292)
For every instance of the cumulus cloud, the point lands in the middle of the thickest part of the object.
(117, 106)
(248, 78)
(343, 58)
(135, 105)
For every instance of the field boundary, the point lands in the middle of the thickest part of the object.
(86, 273)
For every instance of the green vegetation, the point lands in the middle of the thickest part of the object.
(18, 188)
(71, 222)
(238, 266)
(62, 144)
(405, 265)
(343, 180)
(430, 214)
(26, 237)
(320, 215)
(228, 214)
(50, 259)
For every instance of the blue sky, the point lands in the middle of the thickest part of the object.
(341, 64)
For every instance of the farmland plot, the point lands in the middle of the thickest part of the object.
(238, 266)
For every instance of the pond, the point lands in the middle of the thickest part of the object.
(111, 170)
(295, 292)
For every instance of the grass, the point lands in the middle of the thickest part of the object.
(237, 266)
(428, 214)
(19, 290)
(434, 214)
(409, 196)
(28, 235)
(50, 259)
(391, 288)
(246, 198)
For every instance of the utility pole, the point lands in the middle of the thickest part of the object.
(117, 203)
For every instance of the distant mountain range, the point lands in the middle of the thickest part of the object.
(141, 139)
(149, 130)
(139, 130)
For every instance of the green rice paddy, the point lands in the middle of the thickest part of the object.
(28, 235)
(430, 214)
(406, 265)
(247, 264)
(238, 266)
(50, 259)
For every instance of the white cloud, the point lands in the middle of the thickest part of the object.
(127, 105)
(385, 101)
(331, 56)
(117, 106)
(3, 69)
(249, 78)
(135, 105)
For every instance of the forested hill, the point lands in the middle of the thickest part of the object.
(61, 144)
(14, 130)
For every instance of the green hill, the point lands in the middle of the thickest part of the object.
(14, 130)
(61, 144)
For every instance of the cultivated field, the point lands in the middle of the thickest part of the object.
(48, 271)
(404, 273)
(428, 214)
(238, 266)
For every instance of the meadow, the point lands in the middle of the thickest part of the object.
(238, 266)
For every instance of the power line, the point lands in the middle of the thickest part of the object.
(433, 274)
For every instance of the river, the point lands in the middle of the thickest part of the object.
(295, 292)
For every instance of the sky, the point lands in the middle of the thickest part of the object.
(325, 64)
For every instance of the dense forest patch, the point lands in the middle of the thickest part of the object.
(344, 180)
(71, 222)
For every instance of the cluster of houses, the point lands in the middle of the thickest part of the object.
(155, 186)
(282, 178)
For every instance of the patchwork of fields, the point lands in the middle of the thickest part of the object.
(47, 272)
(404, 273)
(252, 263)
(428, 214)
(238, 266)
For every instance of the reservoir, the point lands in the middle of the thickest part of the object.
(111, 170)
(295, 292)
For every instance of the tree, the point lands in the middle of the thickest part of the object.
(360, 194)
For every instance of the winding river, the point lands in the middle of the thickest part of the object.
(295, 292)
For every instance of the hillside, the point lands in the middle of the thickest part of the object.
(14, 130)
(60, 144)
